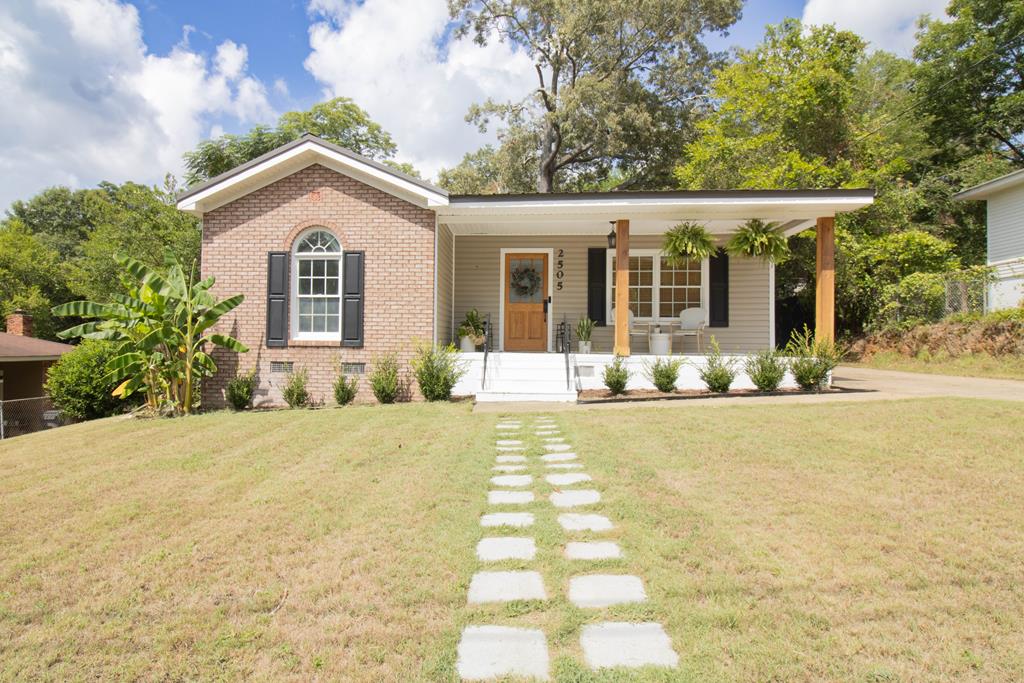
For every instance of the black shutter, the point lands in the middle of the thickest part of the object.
(352, 299)
(597, 273)
(277, 299)
(718, 290)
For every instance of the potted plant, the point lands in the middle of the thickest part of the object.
(584, 328)
(471, 331)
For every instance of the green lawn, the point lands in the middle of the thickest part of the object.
(968, 365)
(869, 541)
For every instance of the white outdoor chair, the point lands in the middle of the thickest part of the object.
(691, 324)
(634, 331)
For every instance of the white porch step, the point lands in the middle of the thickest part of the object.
(491, 396)
(535, 385)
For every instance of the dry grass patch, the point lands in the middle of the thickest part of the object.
(967, 365)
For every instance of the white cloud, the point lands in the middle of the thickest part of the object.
(887, 24)
(384, 55)
(84, 100)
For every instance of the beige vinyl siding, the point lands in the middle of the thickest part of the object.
(445, 282)
(1006, 225)
(477, 285)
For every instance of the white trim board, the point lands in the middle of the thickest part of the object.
(501, 290)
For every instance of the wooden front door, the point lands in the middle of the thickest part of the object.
(526, 293)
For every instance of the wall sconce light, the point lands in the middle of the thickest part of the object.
(611, 236)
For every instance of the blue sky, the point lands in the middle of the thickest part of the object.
(119, 89)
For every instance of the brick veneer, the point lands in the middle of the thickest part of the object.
(397, 236)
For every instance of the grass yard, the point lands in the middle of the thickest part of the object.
(875, 541)
(967, 365)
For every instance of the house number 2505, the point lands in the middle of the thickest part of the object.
(559, 270)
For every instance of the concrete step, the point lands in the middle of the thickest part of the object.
(490, 396)
(546, 384)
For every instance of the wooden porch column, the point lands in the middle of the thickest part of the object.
(621, 287)
(825, 296)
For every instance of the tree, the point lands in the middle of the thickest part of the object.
(971, 78)
(31, 276)
(57, 215)
(616, 81)
(340, 121)
(489, 170)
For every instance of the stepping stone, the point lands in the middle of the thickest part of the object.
(558, 447)
(511, 458)
(511, 449)
(566, 479)
(611, 644)
(546, 432)
(508, 468)
(509, 425)
(505, 587)
(489, 652)
(605, 590)
(505, 548)
(512, 480)
(564, 466)
(592, 550)
(514, 519)
(509, 442)
(575, 521)
(571, 499)
(558, 457)
(509, 497)
(553, 439)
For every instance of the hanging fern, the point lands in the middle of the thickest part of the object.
(758, 239)
(688, 241)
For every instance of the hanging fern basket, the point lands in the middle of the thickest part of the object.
(759, 239)
(688, 241)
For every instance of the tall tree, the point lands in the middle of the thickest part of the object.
(31, 276)
(57, 215)
(616, 81)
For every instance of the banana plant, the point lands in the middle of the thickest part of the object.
(163, 327)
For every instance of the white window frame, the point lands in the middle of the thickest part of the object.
(294, 286)
(656, 294)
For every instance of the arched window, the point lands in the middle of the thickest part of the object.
(316, 299)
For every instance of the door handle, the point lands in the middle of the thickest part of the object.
(547, 301)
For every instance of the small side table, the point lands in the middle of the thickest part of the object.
(661, 343)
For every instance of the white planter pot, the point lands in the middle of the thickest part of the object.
(584, 346)
(466, 345)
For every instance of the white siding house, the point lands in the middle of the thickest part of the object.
(1004, 198)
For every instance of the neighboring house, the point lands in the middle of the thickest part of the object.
(1004, 199)
(341, 259)
(24, 360)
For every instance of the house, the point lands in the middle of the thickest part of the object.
(1004, 199)
(24, 360)
(341, 258)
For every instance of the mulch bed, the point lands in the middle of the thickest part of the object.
(605, 396)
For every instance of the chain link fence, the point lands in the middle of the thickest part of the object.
(966, 294)
(25, 415)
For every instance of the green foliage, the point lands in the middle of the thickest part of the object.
(296, 391)
(472, 326)
(916, 299)
(438, 369)
(688, 241)
(345, 389)
(616, 376)
(240, 390)
(384, 378)
(58, 216)
(663, 372)
(766, 369)
(584, 329)
(812, 359)
(162, 327)
(718, 372)
(758, 239)
(31, 276)
(78, 383)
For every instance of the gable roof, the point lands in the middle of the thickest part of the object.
(989, 188)
(296, 155)
(15, 347)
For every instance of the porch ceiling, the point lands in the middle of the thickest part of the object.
(561, 225)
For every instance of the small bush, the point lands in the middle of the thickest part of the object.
(345, 389)
(766, 369)
(718, 372)
(813, 359)
(384, 379)
(663, 372)
(437, 369)
(240, 390)
(296, 395)
(616, 376)
(79, 383)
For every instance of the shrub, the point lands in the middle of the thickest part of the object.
(345, 389)
(437, 369)
(384, 379)
(616, 376)
(718, 372)
(663, 372)
(813, 359)
(240, 390)
(766, 369)
(296, 395)
(79, 383)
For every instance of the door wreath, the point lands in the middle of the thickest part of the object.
(525, 281)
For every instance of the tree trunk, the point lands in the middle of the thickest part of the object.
(548, 155)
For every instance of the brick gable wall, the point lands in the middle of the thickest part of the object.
(397, 236)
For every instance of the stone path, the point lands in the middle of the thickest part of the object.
(492, 651)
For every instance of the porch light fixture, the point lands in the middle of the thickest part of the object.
(611, 236)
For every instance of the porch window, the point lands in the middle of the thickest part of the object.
(659, 290)
(316, 310)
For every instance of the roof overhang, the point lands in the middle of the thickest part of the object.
(295, 156)
(987, 189)
(25, 359)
